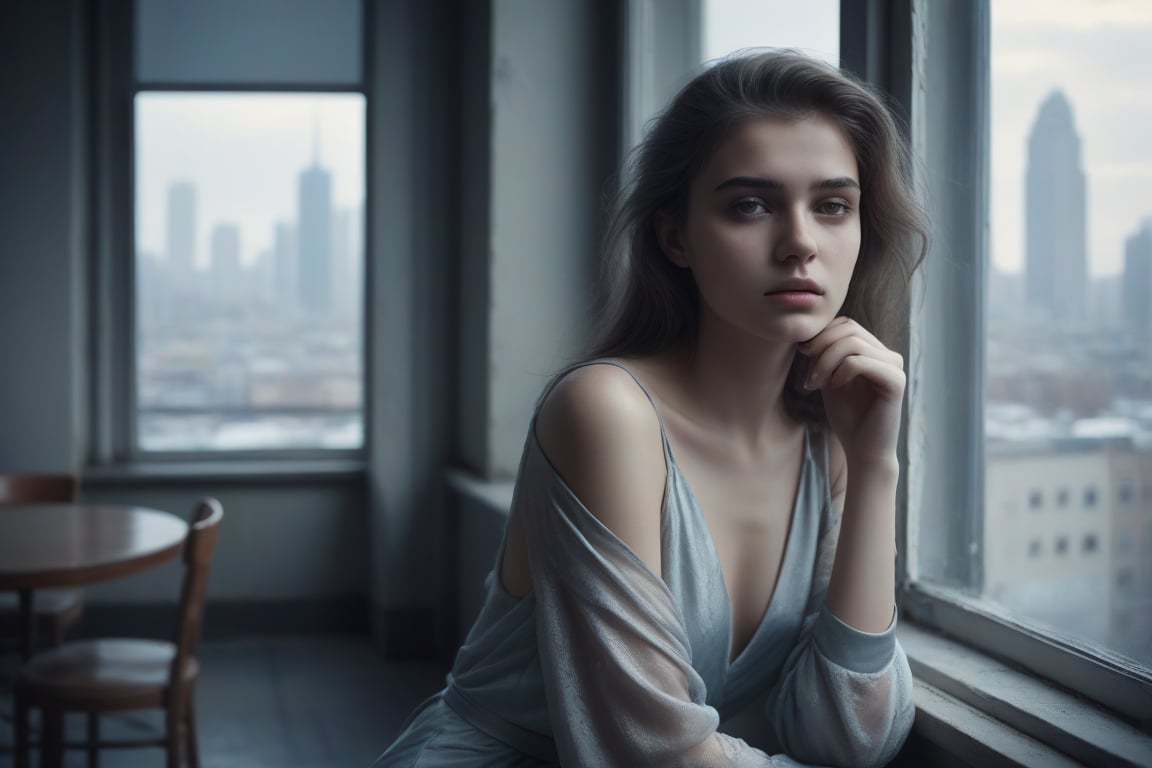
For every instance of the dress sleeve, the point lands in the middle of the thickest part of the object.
(614, 653)
(856, 685)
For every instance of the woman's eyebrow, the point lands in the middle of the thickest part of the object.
(760, 182)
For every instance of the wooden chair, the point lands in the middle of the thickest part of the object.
(56, 610)
(98, 676)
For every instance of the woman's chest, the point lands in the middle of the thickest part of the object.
(748, 514)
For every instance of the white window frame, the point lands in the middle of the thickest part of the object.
(112, 438)
(932, 59)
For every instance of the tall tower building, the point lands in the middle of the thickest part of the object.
(1056, 250)
(1137, 299)
(227, 278)
(181, 234)
(314, 238)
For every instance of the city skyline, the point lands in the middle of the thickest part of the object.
(242, 152)
(1093, 53)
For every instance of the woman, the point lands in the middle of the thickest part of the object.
(704, 513)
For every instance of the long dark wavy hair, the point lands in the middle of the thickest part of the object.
(651, 305)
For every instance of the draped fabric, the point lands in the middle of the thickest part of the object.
(606, 663)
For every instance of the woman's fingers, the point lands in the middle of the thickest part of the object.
(833, 332)
(884, 376)
(827, 357)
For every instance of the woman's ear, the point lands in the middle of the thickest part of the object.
(671, 239)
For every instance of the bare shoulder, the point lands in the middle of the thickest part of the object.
(602, 435)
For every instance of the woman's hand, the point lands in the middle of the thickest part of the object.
(862, 383)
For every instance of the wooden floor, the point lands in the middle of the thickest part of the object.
(320, 702)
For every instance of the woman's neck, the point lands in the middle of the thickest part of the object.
(735, 383)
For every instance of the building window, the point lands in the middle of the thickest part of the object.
(1126, 494)
(1034, 548)
(1061, 545)
(1035, 500)
(1090, 543)
(1062, 498)
(249, 185)
(1090, 498)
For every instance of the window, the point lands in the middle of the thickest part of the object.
(242, 330)
(1034, 548)
(1015, 116)
(729, 25)
(1062, 498)
(1035, 500)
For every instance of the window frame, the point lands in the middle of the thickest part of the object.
(112, 356)
(946, 477)
(887, 43)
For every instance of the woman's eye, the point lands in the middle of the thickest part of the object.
(832, 208)
(748, 207)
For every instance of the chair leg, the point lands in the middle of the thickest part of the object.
(190, 735)
(20, 713)
(173, 728)
(93, 740)
(51, 738)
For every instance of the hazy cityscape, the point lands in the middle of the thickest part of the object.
(253, 339)
(1068, 420)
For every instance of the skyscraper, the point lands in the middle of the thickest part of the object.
(1056, 251)
(227, 278)
(181, 233)
(1137, 299)
(314, 239)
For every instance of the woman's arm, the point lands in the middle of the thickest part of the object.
(862, 383)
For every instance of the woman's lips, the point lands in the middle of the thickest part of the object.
(794, 298)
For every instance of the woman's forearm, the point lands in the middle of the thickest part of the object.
(863, 581)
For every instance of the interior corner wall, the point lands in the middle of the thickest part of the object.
(42, 235)
(552, 98)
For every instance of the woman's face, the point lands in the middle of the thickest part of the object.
(773, 227)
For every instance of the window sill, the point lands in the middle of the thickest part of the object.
(310, 471)
(985, 713)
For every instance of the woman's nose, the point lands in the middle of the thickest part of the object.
(795, 238)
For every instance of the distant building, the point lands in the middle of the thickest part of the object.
(286, 264)
(1056, 251)
(314, 240)
(1137, 293)
(181, 234)
(1065, 523)
(227, 275)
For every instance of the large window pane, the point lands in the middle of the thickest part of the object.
(249, 253)
(812, 27)
(1068, 412)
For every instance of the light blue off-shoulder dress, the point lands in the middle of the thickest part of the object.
(606, 663)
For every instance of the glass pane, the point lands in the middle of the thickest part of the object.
(249, 41)
(249, 271)
(1068, 413)
(812, 27)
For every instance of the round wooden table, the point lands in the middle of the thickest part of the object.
(62, 545)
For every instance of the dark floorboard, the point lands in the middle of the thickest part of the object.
(305, 702)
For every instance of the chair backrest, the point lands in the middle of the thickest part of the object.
(198, 550)
(25, 488)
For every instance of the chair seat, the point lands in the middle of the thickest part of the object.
(103, 670)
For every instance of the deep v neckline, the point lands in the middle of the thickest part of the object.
(783, 570)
